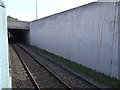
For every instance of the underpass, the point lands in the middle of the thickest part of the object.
(18, 30)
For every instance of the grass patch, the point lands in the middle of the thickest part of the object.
(114, 83)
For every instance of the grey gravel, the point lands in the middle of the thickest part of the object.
(43, 78)
(66, 76)
(20, 78)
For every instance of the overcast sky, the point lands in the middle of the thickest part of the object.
(26, 9)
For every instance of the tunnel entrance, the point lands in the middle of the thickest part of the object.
(18, 35)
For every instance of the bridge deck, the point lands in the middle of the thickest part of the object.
(18, 25)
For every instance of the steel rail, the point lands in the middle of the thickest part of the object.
(96, 84)
(25, 66)
(60, 80)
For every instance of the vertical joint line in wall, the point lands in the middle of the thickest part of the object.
(118, 43)
(114, 34)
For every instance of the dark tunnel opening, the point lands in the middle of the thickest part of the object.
(18, 35)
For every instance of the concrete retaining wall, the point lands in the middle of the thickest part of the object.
(87, 35)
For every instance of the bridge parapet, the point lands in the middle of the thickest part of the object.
(16, 24)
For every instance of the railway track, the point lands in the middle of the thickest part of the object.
(41, 76)
(92, 83)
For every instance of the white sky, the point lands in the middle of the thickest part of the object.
(26, 9)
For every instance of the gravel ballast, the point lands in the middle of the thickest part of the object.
(66, 76)
(20, 78)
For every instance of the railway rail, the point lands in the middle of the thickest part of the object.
(91, 82)
(95, 84)
(42, 76)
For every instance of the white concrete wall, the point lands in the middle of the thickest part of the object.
(87, 35)
(5, 79)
